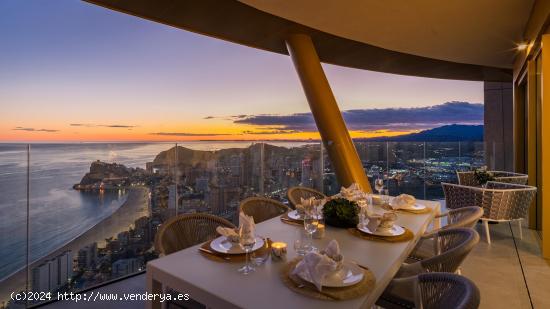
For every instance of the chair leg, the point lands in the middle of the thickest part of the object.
(486, 224)
(520, 230)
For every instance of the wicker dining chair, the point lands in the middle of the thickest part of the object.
(261, 208)
(187, 230)
(459, 217)
(295, 193)
(451, 247)
(468, 178)
(501, 202)
(433, 291)
(466, 217)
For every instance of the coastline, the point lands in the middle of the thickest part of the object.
(135, 206)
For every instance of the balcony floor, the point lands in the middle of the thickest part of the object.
(510, 273)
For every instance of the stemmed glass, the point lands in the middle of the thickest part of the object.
(311, 220)
(385, 196)
(379, 185)
(247, 240)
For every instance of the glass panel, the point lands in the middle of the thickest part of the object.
(291, 164)
(90, 216)
(406, 168)
(443, 159)
(13, 221)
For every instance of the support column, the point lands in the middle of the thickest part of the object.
(327, 115)
(544, 160)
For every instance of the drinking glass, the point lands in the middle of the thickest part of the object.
(379, 185)
(311, 220)
(247, 240)
(300, 243)
(386, 196)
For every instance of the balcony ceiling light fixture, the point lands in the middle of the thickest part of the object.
(522, 46)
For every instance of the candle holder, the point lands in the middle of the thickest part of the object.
(278, 251)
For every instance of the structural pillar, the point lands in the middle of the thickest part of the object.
(327, 115)
(544, 146)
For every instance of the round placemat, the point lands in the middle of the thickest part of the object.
(206, 251)
(303, 287)
(426, 210)
(408, 235)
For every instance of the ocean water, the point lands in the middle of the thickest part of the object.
(58, 213)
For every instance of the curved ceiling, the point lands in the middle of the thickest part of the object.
(481, 32)
(339, 43)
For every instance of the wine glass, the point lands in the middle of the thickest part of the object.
(311, 220)
(247, 240)
(379, 185)
(385, 196)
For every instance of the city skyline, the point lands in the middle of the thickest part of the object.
(76, 72)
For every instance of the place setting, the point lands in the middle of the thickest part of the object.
(380, 227)
(327, 275)
(307, 205)
(238, 245)
(407, 204)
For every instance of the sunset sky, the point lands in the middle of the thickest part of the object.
(72, 71)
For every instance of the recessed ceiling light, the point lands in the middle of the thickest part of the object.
(522, 46)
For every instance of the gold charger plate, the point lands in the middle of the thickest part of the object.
(208, 253)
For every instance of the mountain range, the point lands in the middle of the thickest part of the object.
(447, 133)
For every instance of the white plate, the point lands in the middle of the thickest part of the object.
(222, 245)
(415, 207)
(350, 274)
(395, 230)
(296, 216)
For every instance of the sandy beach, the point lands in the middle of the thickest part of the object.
(136, 206)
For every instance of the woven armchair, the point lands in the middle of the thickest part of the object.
(295, 193)
(465, 217)
(434, 291)
(460, 217)
(261, 208)
(469, 179)
(500, 201)
(450, 248)
(187, 230)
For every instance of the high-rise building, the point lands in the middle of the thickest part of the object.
(87, 256)
(52, 274)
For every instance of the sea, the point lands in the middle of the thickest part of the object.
(58, 213)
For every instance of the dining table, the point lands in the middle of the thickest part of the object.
(218, 284)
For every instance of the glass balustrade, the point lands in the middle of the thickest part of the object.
(94, 208)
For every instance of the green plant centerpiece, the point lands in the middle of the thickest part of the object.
(482, 176)
(341, 212)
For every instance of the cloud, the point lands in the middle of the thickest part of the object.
(34, 130)
(274, 131)
(379, 119)
(209, 117)
(188, 134)
(91, 125)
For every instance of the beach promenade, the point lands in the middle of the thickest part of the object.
(136, 206)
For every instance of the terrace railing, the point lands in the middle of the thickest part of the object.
(71, 222)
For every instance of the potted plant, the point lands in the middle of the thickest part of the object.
(482, 176)
(341, 212)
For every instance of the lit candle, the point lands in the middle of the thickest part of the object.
(320, 232)
(278, 250)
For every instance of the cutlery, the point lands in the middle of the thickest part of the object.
(214, 254)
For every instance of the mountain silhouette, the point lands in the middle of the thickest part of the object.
(447, 133)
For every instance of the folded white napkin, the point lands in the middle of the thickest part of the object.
(247, 224)
(351, 193)
(333, 251)
(385, 220)
(229, 233)
(305, 205)
(403, 201)
(317, 266)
